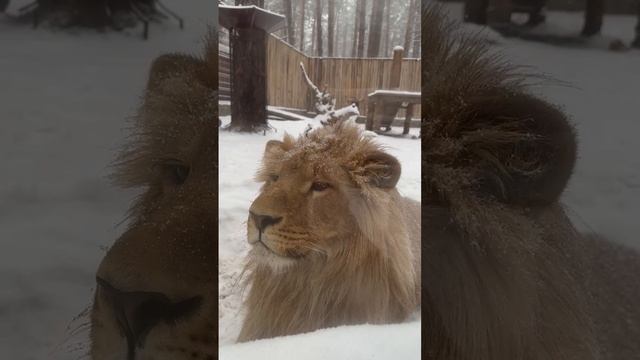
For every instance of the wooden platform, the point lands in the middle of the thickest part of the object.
(380, 101)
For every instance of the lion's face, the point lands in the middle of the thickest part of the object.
(312, 193)
(155, 295)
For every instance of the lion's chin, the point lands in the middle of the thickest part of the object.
(262, 256)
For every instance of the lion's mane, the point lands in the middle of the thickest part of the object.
(505, 274)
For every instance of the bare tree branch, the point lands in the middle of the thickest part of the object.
(325, 102)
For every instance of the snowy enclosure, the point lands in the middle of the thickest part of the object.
(64, 101)
(240, 156)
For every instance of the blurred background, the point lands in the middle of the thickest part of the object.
(600, 91)
(67, 88)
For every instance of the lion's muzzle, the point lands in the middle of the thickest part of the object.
(264, 221)
(137, 312)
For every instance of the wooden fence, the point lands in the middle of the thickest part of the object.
(348, 79)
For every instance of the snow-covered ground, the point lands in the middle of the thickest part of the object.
(64, 99)
(362, 342)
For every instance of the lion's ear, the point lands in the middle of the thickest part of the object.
(381, 170)
(170, 65)
(273, 147)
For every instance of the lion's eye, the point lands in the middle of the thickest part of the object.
(319, 186)
(273, 177)
(180, 173)
(176, 172)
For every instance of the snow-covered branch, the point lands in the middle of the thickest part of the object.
(324, 101)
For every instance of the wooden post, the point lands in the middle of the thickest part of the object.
(475, 11)
(535, 14)
(499, 11)
(249, 95)
(593, 14)
(379, 114)
(249, 28)
(386, 111)
(407, 119)
(371, 106)
(396, 68)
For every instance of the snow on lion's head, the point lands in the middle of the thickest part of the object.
(331, 236)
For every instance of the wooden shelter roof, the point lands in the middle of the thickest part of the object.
(249, 17)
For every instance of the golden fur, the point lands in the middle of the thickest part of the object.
(506, 276)
(169, 247)
(346, 253)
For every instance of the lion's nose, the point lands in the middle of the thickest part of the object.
(264, 221)
(137, 312)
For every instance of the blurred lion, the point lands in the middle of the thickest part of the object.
(156, 295)
(505, 274)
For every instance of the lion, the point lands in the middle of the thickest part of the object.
(332, 241)
(506, 276)
(156, 295)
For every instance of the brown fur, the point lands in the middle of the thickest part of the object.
(169, 246)
(352, 250)
(506, 275)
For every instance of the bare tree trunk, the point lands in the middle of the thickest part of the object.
(288, 13)
(356, 26)
(362, 24)
(313, 35)
(318, 25)
(593, 14)
(342, 18)
(415, 39)
(409, 29)
(387, 29)
(249, 96)
(302, 8)
(375, 28)
(340, 29)
(331, 26)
